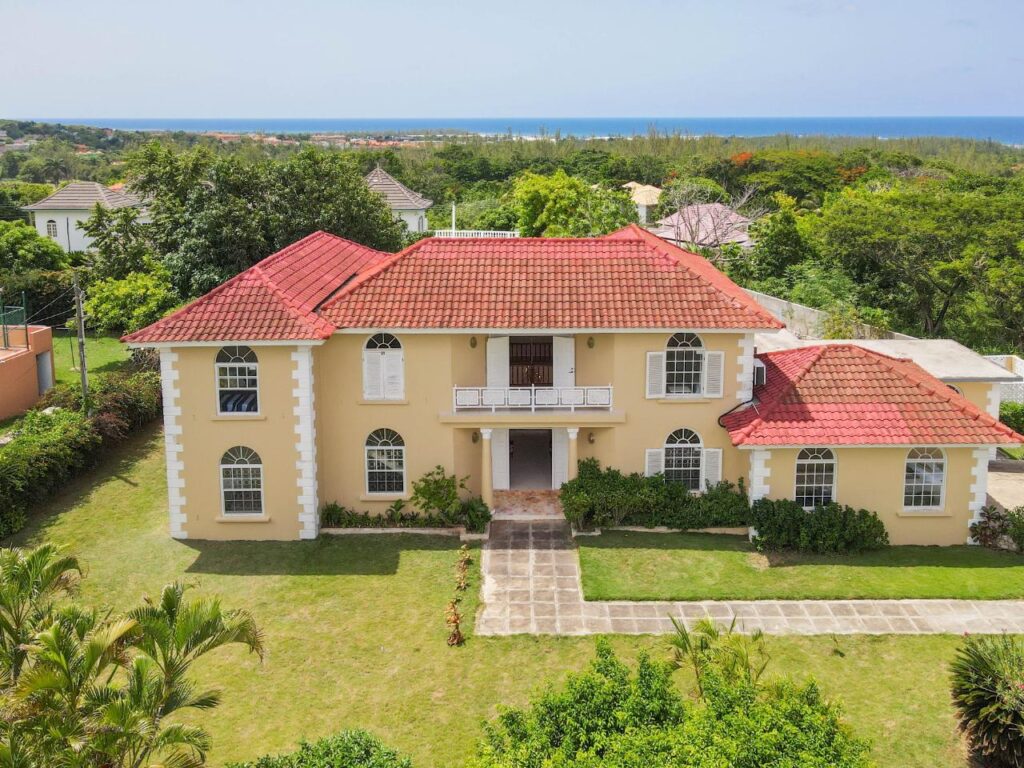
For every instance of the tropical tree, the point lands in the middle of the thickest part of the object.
(560, 205)
(119, 242)
(23, 249)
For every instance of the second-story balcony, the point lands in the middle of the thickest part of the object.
(532, 398)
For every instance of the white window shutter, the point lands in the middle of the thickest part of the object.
(711, 467)
(655, 375)
(564, 361)
(497, 362)
(499, 460)
(714, 373)
(373, 380)
(654, 461)
(394, 374)
(559, 457)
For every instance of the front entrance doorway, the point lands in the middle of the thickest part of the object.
(531, 361)
(529, 459)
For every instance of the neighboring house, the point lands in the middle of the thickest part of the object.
(705, 225)
(332, 372)
(26, 367)
(407, 205)
(61, 215)
(644, 197)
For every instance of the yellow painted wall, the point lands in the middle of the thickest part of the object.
(206, 436)
(872, 478)
(977, 392)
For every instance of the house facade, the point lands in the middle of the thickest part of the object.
(61, 215)
(332, 372)
(406, 205)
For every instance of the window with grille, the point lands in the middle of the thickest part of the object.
(923, 478)
(241, 481)
(237, 380)
(815, 477)
(385, 462)
(683, 453)
(684, 365)
(51, 229)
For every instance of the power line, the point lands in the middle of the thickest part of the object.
(44, 308)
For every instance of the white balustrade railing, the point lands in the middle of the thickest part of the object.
(531, 398)
(498, 233)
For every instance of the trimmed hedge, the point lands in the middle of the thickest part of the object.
(348, 749)
(51, 448)
(831, 528)
(599, 497)
(1012, 415)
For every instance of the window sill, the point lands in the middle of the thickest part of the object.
(684, 399)
(238, 417)
(923, 512)
(382, 402)
(243, 519)
(384, 497)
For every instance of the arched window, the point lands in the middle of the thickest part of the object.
(683, 452)
(383, 368)
(815, 477)
(241, 481)
(51, 229)
(237, 380)
(385, 462)
(924, 478)
(684, 365)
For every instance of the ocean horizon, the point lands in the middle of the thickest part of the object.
(1003, 129)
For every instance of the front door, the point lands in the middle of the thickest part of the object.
(531, 361)
(529, 459)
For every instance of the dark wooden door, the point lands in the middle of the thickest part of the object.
(531, 361)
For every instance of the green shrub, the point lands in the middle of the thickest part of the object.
(120, 402)
(473, 515)
(437, 493)
(48, 295)
(599, 497)
(830, 528)
(1012, 415)
(992, 527)
(1015, 527)
(348, 749)
(988, 694)
(131, 303)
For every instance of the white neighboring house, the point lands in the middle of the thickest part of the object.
(61, 215)
(405, 204)
(644, 196)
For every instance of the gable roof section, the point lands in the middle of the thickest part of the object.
(398, 196)
(83, 196)
(629, 279)
(276, 299)
(845, 395)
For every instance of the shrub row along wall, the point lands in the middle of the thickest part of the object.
(49, 449)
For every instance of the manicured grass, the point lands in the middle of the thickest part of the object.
(356, 639)
(102, 353)
(623, 565)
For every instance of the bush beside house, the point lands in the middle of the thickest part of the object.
(828, 529)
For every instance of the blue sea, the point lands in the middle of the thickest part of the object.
(1007, 130)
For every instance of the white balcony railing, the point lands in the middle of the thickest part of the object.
(532, 398)
(498, 233)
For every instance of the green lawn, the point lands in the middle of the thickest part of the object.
(356, 638)
(624, 565)
(102, 353)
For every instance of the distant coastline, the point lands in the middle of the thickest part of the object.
(1006, 130)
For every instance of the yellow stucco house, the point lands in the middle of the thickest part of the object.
(333, 372)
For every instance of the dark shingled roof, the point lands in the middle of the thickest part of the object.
(399, 196)
(82, 196)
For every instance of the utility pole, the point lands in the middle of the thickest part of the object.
(80, 322)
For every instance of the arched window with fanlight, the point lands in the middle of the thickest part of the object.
(237, 380)
(924, 478)
(385, 462)
(241, 481)
(815, 477)
(683, 455)
(684, 365)
(383, 368)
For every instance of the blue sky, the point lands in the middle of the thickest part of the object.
(551, 58)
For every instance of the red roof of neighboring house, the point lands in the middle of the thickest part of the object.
(276, 299)
(843, 394)
(629, 279)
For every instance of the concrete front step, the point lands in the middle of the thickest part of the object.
(527, 505)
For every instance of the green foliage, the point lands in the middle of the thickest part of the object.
(988, 694)
(830, 528)
(992, 527)
(599, 497)
(472, 513)
(560, 205)
(348, 749)
(119, 244)
(48, 296)
(23, 249)
(130, 303)
(1012, 415)
(735, 657)
(437, 493)
(1015, 527)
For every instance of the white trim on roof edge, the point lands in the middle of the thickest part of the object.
(224, 343)
(837, 446)
(548, 331)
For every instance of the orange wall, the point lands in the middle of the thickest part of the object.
(19, 384)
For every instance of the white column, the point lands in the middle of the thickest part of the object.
(574, 454)
(486, 482)
(172, 442)
(305, 445)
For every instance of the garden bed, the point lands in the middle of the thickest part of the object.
(458, 530)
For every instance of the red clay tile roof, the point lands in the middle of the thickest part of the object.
(276, 299)
(629, 279)
(843, 394)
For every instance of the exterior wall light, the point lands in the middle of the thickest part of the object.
(476, 436)
(590, 342)
(591, 438)
(472, 342)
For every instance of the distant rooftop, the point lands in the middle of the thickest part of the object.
(643, 194)
(83, 196)
(399, 196)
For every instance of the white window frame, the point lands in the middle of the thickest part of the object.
(51, 228)
(698, 446)
(258, 467)
(222, 370)
(701, 354)
(942, 486)
(378, 339)
(818, 462)
(366, 463)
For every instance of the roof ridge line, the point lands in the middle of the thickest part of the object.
(289, 303)
(366, 275)
(818, 350)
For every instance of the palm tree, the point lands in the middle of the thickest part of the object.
(736, 656)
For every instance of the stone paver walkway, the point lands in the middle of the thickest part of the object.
(531, 585)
